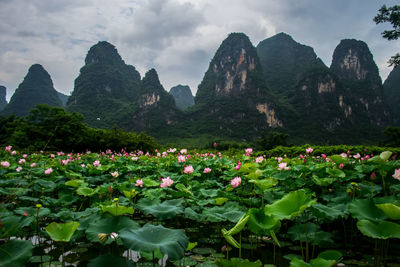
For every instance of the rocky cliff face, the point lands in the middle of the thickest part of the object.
(3, 93)
(284, 61)
(392, 94)
(183, 96)
(36, 88)
(105, 88)
(233, 94)
(353, 63)
(155, 107)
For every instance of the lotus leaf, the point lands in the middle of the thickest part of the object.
(309, 232)
(338, 159)
(262, 224)
(11, 225)
(86, 191)
(321, 212)
(76, 183)
(111, 260)
(380, 229)
(108, 226)
(191, 214)
(230, 211)
(366, 209)
(290, 205)
(117, 210)
(391, 210)
(148, 182)
(236, 262)
(331, 255)
(15, 253)
(220, 200)
(209, 193)
(318, 262)
(172, 242)
(264, 183)
(335, 173)
(165, 210)
(61, 231)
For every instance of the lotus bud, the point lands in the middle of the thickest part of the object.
(102, 237)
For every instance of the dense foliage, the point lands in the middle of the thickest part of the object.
(391, 15)
(205, 209)
(392, 94)
(51, 128)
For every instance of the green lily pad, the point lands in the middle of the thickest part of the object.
(331, 255)
(221, 200)
(366, 209)
(321, 211)
(264, 183)
(110, 260)
(76, 183)
(318, 262)
(236, 262)
(231, 211)
(61, 231)
(165, 210)
(290, 205)
(262, 224)
(108, 226)
(148, 182)
(15, 253)
(86, 191)
(380, 229)
(172, 242)
(115, 210)
(310, 232)
(391, 210)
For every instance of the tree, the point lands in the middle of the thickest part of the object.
(391, 15)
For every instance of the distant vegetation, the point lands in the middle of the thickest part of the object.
(52, 128)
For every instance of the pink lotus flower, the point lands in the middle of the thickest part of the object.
(373, 175)
(396, 174)
(8, 148)
(237, 167)
(206, 170)
(248, 151)
(5, 164)
(323, 156)
(183, 151)
(181, 158)
(279, 159)
(13, 153)
(83, 165)
(21, 161)
(96, 163)
(139, 182)
(309, 150)
(259, 159)
(235, 182)
(48, 171)
(357, 156)
(188, 169)
(114, 174)
(64, 161)
(343, 155)
(341, 166)
(166, 182)
(282, 166)
(18, 169)
(215, 144)
(33, 165)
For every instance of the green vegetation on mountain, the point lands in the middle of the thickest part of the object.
(284, 62)
(106, 88)
(36, 88)
(183, 96)
(3, 93)
(63, 98)
(392, 94)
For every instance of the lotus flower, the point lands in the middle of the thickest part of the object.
(396, 174)
(207, 170)
(166, 182)
(235, 182)
(188, 169)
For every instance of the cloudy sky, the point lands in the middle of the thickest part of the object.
(176, 37)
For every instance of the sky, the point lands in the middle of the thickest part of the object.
(176, 37)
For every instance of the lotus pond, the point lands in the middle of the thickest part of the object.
(174, 208)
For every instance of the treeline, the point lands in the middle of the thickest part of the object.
(52, 128)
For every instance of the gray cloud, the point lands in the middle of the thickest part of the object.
(176, 37)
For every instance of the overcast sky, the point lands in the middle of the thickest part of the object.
(176, 37)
